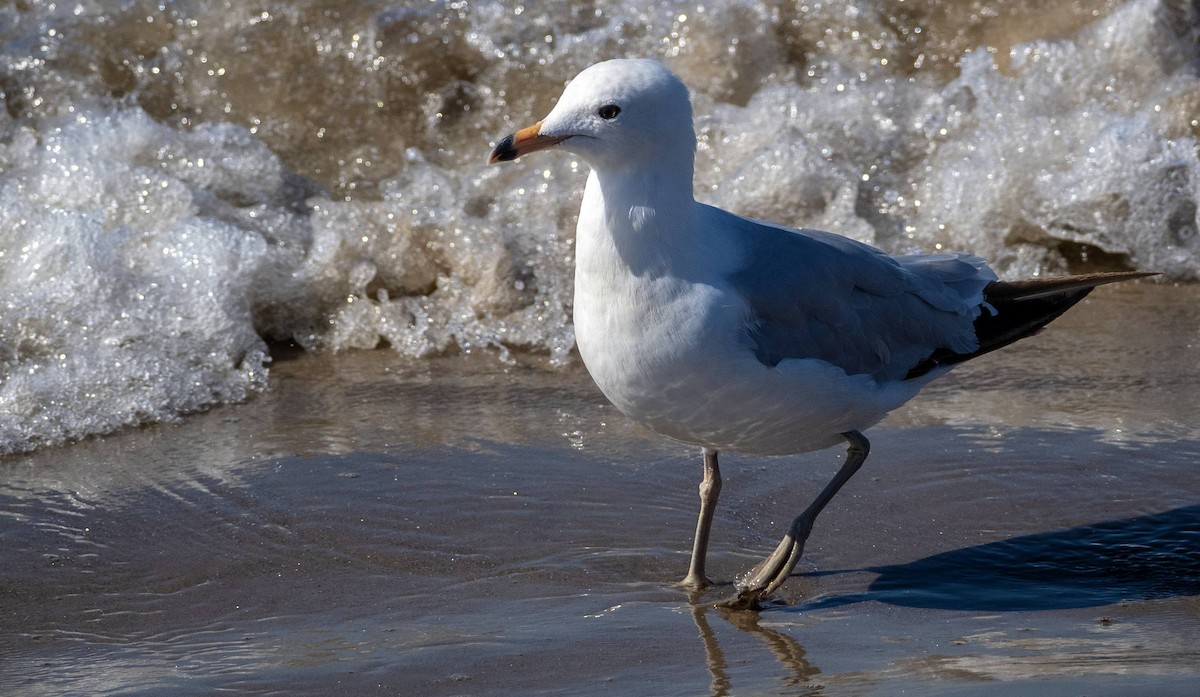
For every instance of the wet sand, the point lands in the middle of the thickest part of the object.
(1029, 525)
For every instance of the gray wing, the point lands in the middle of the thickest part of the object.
(815, 294)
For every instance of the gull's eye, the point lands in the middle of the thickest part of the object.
(609, 111)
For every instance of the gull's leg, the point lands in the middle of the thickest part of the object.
(770, 574)
(710, 489)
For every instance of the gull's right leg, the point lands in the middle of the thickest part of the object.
(710, 489)
(770, 574)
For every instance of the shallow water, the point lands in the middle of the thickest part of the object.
(1031, 525)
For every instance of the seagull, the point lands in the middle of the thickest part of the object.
(735, 334)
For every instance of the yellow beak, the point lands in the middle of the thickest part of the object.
(522, 142)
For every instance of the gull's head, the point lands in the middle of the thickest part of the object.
(614, 115)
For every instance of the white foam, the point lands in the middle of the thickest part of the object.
(177, 193)
(121, 303)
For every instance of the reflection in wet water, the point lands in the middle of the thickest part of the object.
(786, 649)
(714, 657)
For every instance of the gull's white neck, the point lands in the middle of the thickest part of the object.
(637, 220)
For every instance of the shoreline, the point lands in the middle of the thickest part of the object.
(453, 528)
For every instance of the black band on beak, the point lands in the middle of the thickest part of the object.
(504, 150)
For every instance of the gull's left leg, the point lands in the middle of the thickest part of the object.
(770, 574)
(710, 489)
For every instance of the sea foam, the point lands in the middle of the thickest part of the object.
(184, 184)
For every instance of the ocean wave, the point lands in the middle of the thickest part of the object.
(184, 183)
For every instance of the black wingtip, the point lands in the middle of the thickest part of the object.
(1021, 309)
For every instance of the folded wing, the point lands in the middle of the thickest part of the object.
(814, 294)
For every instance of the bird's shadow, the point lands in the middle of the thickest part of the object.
(1143, 558)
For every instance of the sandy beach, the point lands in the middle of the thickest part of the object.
(1030, 525)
